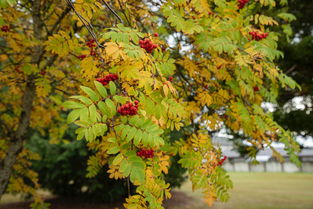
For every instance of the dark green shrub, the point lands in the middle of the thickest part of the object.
(62, 170)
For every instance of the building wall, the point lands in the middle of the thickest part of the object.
(240, 165)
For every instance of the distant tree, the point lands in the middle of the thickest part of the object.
(298, 63)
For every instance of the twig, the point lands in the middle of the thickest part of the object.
(64, 92)
(86, 24)
(123, 11)
(128, 187)
(113, 12)
(59, 20)
(291, 69)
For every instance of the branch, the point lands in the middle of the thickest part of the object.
(291, 69)
(59, 20)
(86, 24)
(111, 10)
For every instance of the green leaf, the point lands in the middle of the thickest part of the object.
(113, 150)
(83, 99)
(120, 99)
(138, 137)
(101, 128)
(103, 108)
(80, 133)
(199, 180)
(287, 16)
(111, 106)
(93, 113)
(101, 89)
(112, 88)
(118, 159)
(73, 105)
(73, 115)
(137, 172)
(125, 167)
(138, 169)
(89, 134)
(112, 140)
(93, 95)
(131, 134)
(125, 131)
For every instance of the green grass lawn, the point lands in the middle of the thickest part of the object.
(251, 191)
(264, 191)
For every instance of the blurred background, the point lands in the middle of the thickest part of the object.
(267, 184)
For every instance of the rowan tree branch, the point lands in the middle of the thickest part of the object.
(85, 22)
(61, 17)
(112, 11)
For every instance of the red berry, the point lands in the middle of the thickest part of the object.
(115, 76)
(17, 69)
(147, 45)
(104, 81)
(256, 88)
(155, 34)
(92, 53)
(170, 79)
(91, 43)
(242, 3)
(222, 161)
(42, 72)
(81, 57)
(258, 36)
(128, 109)
(146, 153)
(5, 28)
(136, 102)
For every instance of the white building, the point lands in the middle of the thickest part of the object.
(266, 161)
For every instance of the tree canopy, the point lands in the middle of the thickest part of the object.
(297, 62)
(131, 73)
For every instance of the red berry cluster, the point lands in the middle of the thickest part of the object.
(242, 3)
(148, 45)
(104, 81)
(42, 72)
(91, 43)
(81, 57)
(222, 161)
(146, 153)
(128, 109)
(256, 88)
(92, 52)
(5, 28)
(258, 36)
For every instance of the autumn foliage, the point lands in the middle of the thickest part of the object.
(131, 77)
